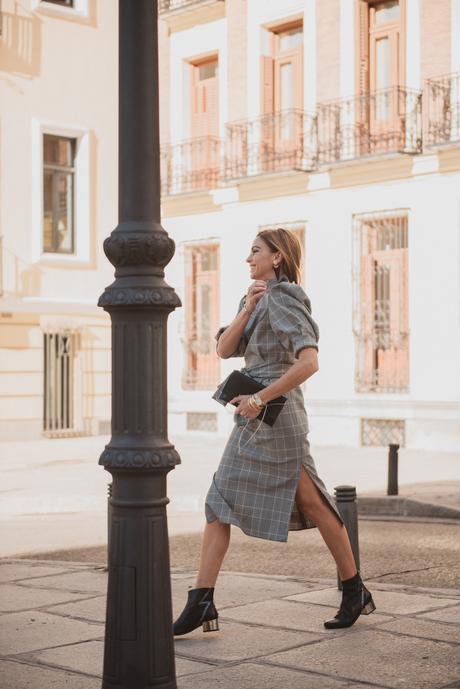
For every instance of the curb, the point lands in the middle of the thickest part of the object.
(397, 506)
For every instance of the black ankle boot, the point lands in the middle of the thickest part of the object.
(356, 600)
(200, 609)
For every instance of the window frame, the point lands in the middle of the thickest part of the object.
(60, 169)
(82, 216)
(78, 9)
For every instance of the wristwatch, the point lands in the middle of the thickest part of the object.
(257, 400)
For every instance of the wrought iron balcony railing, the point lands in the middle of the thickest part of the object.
(443, 109)
(284, 141)
(191, 165)
(170, 5)
(386, 121)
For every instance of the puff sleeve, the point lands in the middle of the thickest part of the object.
(240, 350)
(290, 317)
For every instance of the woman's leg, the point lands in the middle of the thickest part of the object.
(311, 503)
(216, 539)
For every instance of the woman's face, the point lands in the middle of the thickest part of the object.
(261, 259)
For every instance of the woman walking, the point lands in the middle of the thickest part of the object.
(266, 482)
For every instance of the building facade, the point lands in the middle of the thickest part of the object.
(338, 119)
(58, 201)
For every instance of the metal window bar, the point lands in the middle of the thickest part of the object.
(192, 165)
(59, 359)
(379, 122)
(380, 301)
(284, 141)
(443, 106)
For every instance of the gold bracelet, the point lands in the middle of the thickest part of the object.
(252, 403)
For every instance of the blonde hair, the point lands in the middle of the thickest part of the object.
(288, 244)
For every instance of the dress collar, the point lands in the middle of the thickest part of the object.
(273, 281)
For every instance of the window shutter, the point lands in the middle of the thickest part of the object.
(267, 73)
(210, 106)
(363, 60)
(366, 374)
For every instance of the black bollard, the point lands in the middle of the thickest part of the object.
(345, 498)
(393, 470)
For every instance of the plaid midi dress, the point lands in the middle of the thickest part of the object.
(255, 483)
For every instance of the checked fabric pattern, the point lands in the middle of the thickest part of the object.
(256, 480)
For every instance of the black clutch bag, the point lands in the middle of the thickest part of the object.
(238, 383)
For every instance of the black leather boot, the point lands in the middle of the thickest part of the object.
(200, 609)
(356, 600)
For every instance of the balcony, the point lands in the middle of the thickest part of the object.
(377, 123)
(281, 142)
(443, 110)
(184, 14)
(192, 165)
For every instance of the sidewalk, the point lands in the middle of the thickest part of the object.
(271, 633)
(57, 486)
(438, 500)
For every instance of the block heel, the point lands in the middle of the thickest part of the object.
(368, 608)
(211, 625)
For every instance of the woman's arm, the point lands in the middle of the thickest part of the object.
(231, 336)
(305, 366)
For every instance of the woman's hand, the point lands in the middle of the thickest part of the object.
(244, 408)
(254, 294)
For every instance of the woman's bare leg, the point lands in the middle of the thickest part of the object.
(216, 539)
(335, 535)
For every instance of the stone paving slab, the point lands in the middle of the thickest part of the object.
(235, 590)
(16, 571)
(427, 629)
(385, 601)
(22, 632)
(15, 598)
(374, 656)
(23, 676)
(238, 642)
(91, 609)
(90, 655)
(259, 676)
(451, 614)
(293, 615)
(87, 656)
(90, 581)
(271, 635)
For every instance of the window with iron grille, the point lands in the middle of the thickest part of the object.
(58, 194)
(59, 367)
(383, 432)
(201, 421)
(380, 301)
(202, 316)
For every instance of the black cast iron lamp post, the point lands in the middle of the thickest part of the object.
(139, 645)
